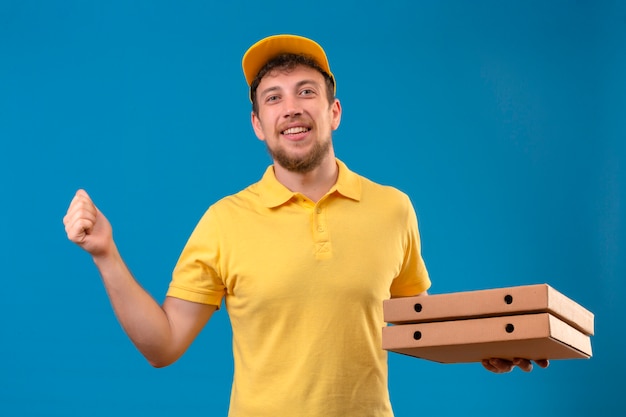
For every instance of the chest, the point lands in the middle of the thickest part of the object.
(305, 255)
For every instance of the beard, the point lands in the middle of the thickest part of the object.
(301, 164)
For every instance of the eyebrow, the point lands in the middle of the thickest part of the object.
(298, 85)
(304, 82)
(268, 90)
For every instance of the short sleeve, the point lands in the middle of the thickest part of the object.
(196, 275)
(413, 277)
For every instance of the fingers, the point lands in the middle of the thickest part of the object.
(524, 364)
(80, 218)
(501, 366)
(488, 366)
(498, 366)
(527, 366)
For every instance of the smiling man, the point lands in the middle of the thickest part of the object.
(295, 120)
(302, 259)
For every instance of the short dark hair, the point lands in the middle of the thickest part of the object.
(287, 62)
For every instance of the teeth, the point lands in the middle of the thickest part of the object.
(295, 130)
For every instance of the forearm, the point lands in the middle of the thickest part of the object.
(161, 333)
(141, 317)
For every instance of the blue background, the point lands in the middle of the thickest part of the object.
(503, 120)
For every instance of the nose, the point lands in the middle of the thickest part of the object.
(292, 107)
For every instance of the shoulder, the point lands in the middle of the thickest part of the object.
(359, 187)
(246, 199)
(387, 193)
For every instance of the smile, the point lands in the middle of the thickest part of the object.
(295, 130)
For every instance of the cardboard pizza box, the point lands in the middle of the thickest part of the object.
(489, 303)
(529, 336)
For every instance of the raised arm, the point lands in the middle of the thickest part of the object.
(161, 333)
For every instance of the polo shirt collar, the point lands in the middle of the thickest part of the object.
(274, 194)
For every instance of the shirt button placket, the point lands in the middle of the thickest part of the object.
(322, 239)
(320, 221)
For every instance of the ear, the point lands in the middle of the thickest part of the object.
(256, 125)
(335, 115)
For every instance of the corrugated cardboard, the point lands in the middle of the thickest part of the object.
(489, 303)
(528, 336)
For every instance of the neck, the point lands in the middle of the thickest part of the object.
(313, 184)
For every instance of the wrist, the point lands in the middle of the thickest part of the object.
(106, 257)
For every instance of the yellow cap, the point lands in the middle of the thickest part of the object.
(258, 54)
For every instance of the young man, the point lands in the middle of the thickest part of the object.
(302, 259)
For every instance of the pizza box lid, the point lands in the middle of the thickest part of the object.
(489, 303)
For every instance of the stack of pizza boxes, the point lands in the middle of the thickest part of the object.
(531, 321)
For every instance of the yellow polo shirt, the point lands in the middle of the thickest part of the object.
(303, 285)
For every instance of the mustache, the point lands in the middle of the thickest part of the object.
(295, 121)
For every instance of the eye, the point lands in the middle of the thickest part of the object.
(272, 98)
(307, 92)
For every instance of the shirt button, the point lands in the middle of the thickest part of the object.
(320, 229)
(318, 210)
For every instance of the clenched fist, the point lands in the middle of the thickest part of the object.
(86, 226)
